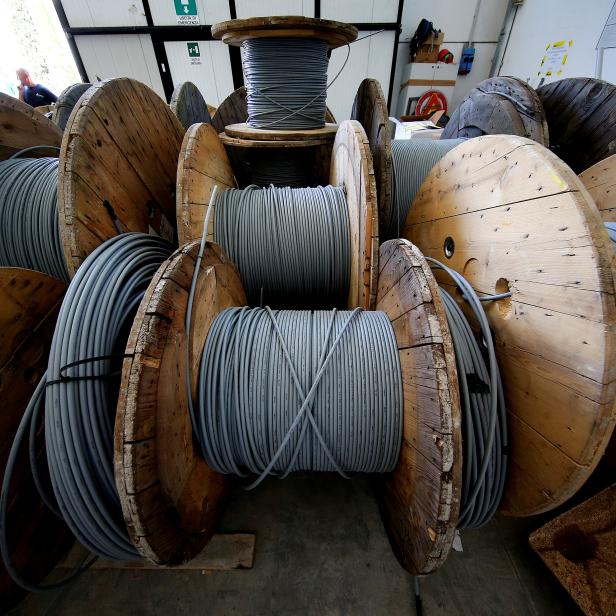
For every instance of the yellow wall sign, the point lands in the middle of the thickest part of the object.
(555, 58)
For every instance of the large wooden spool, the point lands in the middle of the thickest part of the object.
(370, 110)
(580, 115)
(236, 31)
(188, 105)
(517, 218)
(29, 305)
(203, 164)
(420, 500)
(66, 103)
(117, 167)
(600, 181)
(170, 498)
(23, 127)
(499, 105)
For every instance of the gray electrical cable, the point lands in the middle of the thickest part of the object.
(292, 244)
(29, 223)
(611, 231)
(299, 390)
(82, 387)
(484, 422)
(286, 82)
(412, 161)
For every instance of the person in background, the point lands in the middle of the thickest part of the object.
(34, 94)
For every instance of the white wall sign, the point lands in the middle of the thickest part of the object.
(186, 12)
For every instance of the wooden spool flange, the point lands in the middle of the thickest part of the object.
(370, 110)
(517, 218)
(420, 500)
(247, 133)
(29, 305)
(66, 103)
(22, 127)
(189, 106)
(499, 105)
(170, 498)
(118, 160)
(580, 115)
(204, 163)
(600, 181)
(236, 31)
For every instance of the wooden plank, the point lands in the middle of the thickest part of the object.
(578, 547)
(370, 110)
(22, 127)
(170, 498)
(421, 498)
(224, 552)
(520, 219)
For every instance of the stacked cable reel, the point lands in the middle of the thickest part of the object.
(66, 102)
(281, 131)
(189, 106)
(115, 174)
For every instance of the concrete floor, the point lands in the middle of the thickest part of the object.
(321, 549)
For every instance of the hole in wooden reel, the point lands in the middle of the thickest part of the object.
(449, 247)
(504, 306)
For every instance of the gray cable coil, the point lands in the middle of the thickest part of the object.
(294, 244)
(412, 161)
(29, 216)
(611, 231)
(94, 322)
(484, 422)
(286, 82)
(298, 390)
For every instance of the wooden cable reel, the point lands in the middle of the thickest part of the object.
(23, 127)
(203, 164)
(600, 181)
(580, 115)
(188, 105)
(509, 215)
(499, 105)
(370, 110)
(66, 103)
(29, 305)
(117, 167)
(170, 498)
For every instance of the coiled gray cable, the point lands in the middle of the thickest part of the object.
(82, 387)
(412, 161)
(29, 216)
(291, 246)
(484, 422)
(299, 390)
(286, 82)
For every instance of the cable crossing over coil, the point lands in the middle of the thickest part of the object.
(79, 393)
(412, 161)
(29, 215)
(290, 245)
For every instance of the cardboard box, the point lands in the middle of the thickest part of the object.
(428, 53)
(435, 39)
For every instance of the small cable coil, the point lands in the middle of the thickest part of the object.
(283, 168)
(283, 391)
(484, 421)
(286, 82)
(412, 161)
(29, 216)
(290, 245)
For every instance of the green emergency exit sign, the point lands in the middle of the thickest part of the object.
(186, 12)
(193, 50)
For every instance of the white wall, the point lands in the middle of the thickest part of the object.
(539, 23)
(454, 18)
